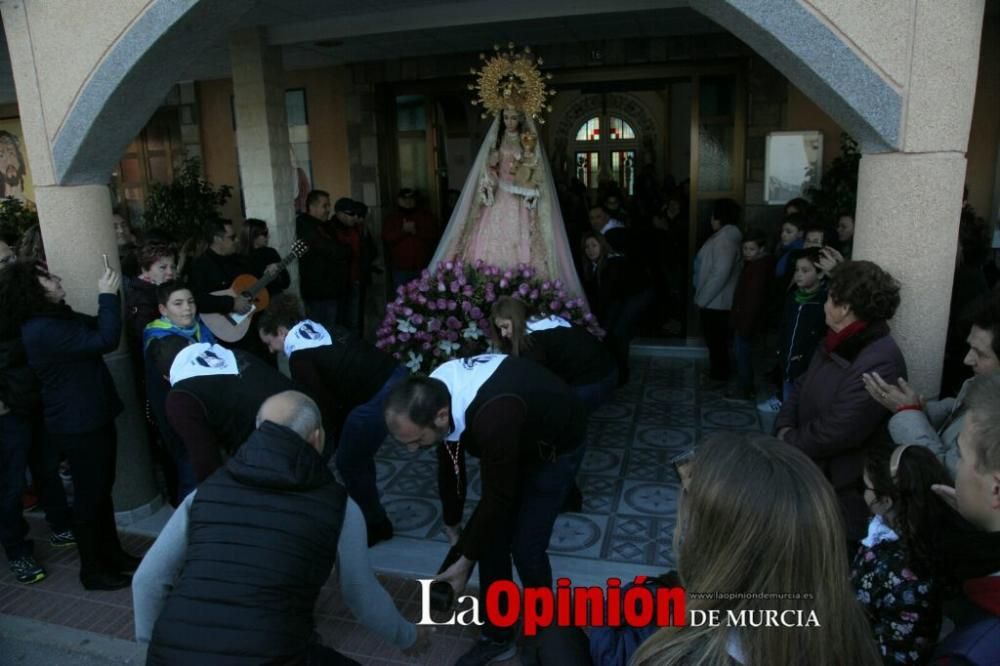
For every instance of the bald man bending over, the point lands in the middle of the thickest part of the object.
(235, 574)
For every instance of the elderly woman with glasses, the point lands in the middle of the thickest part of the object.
(829, 414)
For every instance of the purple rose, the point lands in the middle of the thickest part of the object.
(441, 304)
(452, 305)
(404, 337)
(467, 290)
(555, 306)
(407, 311)
(466, 306)
(423, 286)
(484, 325)
(524, 288)
(431, 305)
(546, 285)
(533, 295)
(454, 287)
(449, 265)
(557, 284)
(508, 275)
(526, 273)
(391, 340)
(417, 319)
(453, 323)
(434, 325)
(422, 300)
(476, 313)
(489, 297)
(452, 336)
(426, 346)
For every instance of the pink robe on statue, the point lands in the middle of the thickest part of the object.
(504, 224)
(504, 233)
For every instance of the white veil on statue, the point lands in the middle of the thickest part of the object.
(557, 262)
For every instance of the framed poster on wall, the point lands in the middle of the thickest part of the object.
(793, 162)
(15, 176)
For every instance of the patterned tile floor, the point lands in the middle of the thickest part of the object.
(629, 489)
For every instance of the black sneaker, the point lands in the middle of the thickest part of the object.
(27, 570)
(63, 539)
(486, 651)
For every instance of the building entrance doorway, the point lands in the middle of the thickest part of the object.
(651, 134)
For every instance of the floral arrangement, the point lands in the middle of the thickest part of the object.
(445, 314)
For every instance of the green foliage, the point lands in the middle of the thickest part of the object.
(838, 189)
(181, 207)
(16, 217)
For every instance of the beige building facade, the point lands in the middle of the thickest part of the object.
(910, 80)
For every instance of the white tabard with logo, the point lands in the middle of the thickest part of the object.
(464, 377)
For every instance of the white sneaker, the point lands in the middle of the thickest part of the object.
(772, 405)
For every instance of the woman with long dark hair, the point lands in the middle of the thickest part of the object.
(65, 349)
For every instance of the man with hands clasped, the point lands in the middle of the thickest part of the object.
(936, 424)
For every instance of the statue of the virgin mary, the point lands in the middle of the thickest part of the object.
(508, 213)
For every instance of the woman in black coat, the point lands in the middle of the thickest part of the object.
(260, 256)
(66, 350)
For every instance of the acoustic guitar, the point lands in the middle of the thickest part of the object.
(233, 326)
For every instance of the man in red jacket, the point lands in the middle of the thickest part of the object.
(410, 235)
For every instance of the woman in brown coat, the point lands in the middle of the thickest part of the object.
(829, 414)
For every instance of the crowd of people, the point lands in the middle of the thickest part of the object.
(879, 507)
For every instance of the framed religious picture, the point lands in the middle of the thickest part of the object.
(792, 164)
(15, 176)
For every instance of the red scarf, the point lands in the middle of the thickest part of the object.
(985, 593)
(834, 340)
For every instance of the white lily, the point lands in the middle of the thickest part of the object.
(404, 326)
(472, 332)
(448, 347)
(416, 360)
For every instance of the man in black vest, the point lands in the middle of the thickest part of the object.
(522, 422)
(235, 574)
(214, 397)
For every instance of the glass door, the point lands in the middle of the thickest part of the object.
(718, 135)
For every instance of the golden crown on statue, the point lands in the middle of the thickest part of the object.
(511, 79)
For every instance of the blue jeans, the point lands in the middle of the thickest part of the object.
(743, 350)
(526, 540)
(15, 442)
(350, 308)
(363, 433)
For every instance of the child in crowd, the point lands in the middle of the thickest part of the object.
(178, 316)
(793, 230)
(815, 236)
(845, 234)
(896, 572)
(803, 324)
(747, 316)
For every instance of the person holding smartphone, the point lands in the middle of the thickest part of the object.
(66, 350)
